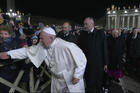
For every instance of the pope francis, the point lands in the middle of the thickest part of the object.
(65, 60)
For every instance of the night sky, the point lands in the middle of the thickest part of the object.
(68, 8)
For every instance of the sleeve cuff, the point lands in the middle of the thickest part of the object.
(8, 53)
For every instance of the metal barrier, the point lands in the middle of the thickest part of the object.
(33, 86)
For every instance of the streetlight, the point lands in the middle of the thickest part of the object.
(10, 10)
(136, 10)
(114, 12)
(108, 12)
(125, 11)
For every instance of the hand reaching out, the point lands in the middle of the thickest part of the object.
(4, 55)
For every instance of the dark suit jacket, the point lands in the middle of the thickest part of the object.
(68, 37)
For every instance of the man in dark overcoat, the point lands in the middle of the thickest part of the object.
(93, 43)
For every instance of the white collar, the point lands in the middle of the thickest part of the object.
(92, 29)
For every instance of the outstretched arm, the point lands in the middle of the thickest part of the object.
(14, 54)
(18, 53)
(4, 55)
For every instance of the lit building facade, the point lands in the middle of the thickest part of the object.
(123, 19)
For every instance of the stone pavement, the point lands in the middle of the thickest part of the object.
(127, 85)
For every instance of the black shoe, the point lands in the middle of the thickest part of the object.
(117, 80)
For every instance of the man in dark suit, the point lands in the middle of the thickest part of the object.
(93, 43)
(67, 33)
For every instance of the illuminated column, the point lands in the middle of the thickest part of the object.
(108, 23)
(128, 21)
(108, 18)
(115, 21)
(112, 23)
(138, 22)
(123, 19)
(10, 5)
(133, 21)
(118, 22)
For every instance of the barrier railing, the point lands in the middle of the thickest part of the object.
(34, 85)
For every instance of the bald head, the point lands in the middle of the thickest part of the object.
(88, 23)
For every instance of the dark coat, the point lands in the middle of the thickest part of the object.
(68, 37)
(94, 46)
(133, 47)
(116, 47)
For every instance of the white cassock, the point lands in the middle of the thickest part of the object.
(64, 59)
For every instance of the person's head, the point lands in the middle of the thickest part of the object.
(88, 23)
(34, 40)
(134, 31)
(47, 36)
(66, 27)
(47, 26)
(5, 31)
(12, 22)
(115, 33)
(20, 25)
(41, 25)
(35, 28)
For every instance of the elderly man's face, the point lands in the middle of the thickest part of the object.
(88, 24)
(66, 27)
(45, 39)
(115, 33)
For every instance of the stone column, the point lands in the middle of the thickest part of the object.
(138, 25)
(112, 22)
(108, 22)
(123, 19)
(133, 25)
(128, 21)
(115, 22)
(10, 5)
(118, 22)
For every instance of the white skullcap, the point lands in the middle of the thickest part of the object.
(49, 30)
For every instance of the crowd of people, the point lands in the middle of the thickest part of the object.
(79, 61)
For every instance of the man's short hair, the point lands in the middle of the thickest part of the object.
(6, 28)
(68, 23)
(91, 18)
